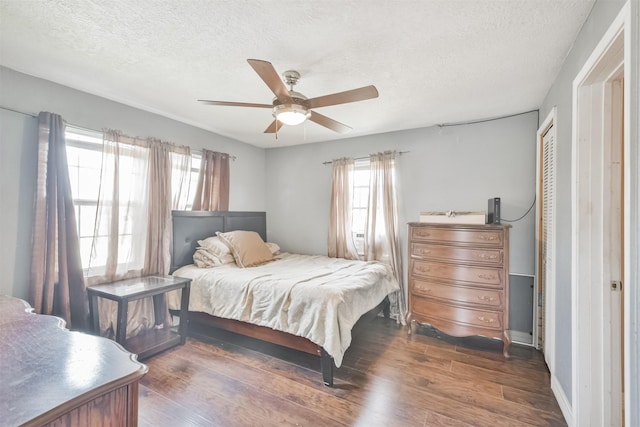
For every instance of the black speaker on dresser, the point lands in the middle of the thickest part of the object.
(493, 211)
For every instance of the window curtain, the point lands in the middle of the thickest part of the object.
(142, 180)
(212, 193)
(340, 241)
(120, 233)
(381, 240)
(168, 164)
(168, 181)
(57, 285)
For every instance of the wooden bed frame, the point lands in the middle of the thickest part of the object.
(191, 226)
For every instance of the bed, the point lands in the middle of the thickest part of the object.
(308, 303)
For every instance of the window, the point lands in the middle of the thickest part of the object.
(360, 203)
(84, 157)
(185, 199)
(366, 180)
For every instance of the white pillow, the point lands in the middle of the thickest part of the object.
(211, 256)
(273, 247)
(214, 245)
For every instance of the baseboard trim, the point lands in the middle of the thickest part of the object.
(563, 402)
(520, 337)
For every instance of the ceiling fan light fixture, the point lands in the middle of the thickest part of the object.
(293, 108)
(291, 114)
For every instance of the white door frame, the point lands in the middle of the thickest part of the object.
(549, 304)
(632, 243)
(591, 296)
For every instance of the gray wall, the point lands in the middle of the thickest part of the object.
(457, 167)
(18, 148)
(18, 156)
(560, 96)
(448, 168)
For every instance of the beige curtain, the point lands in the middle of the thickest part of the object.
(168, 181)
(340, 242)
(212, 193)
(57, 284)
(381, 240)
(120, 233)
(168, 164)
(141, 179)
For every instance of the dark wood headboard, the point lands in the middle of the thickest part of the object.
(191, 226)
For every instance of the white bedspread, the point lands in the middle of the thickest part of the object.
(315, 297)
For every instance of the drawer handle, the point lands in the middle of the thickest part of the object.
(488, 256)
(425, 290)
(485, 320)
(423, 234)
(486, 237)
(486, 298)
(486, 276)
(421, 269)
(423, 251)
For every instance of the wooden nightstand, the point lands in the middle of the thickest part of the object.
(152, 341)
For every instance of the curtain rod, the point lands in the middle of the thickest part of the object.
(328, 162)
(233, 158)
(18, 111)
(2, 107)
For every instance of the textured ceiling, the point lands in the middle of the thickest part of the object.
(433, 61)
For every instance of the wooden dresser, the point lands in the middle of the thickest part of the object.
(459, 279)
(50, 376)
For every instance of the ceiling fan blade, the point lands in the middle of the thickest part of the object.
(272, 126)
(234, 104)
(329, 123)
(269, 75)
(353, 95)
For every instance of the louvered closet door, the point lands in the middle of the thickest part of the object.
(547, 244)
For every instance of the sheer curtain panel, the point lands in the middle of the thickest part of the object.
(340, 241)
(212, 193)
(169, 168)
(141, 181)
(381, 240)
(57, 285)
(120, 233)
(167, 164)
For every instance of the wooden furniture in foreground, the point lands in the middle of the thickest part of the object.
(459, 279)
(152, 341)
(51, 376)
(191, 226)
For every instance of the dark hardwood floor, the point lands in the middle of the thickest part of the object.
(386, 379)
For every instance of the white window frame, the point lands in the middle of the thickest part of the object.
(358, 235)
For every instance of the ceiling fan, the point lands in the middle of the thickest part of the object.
(291, 107)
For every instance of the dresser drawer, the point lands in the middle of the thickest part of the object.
(458, 236)
(483, 276)
(488, 298)
(466, 316)
(457, 254)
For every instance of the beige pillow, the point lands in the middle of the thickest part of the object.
(247, 247)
